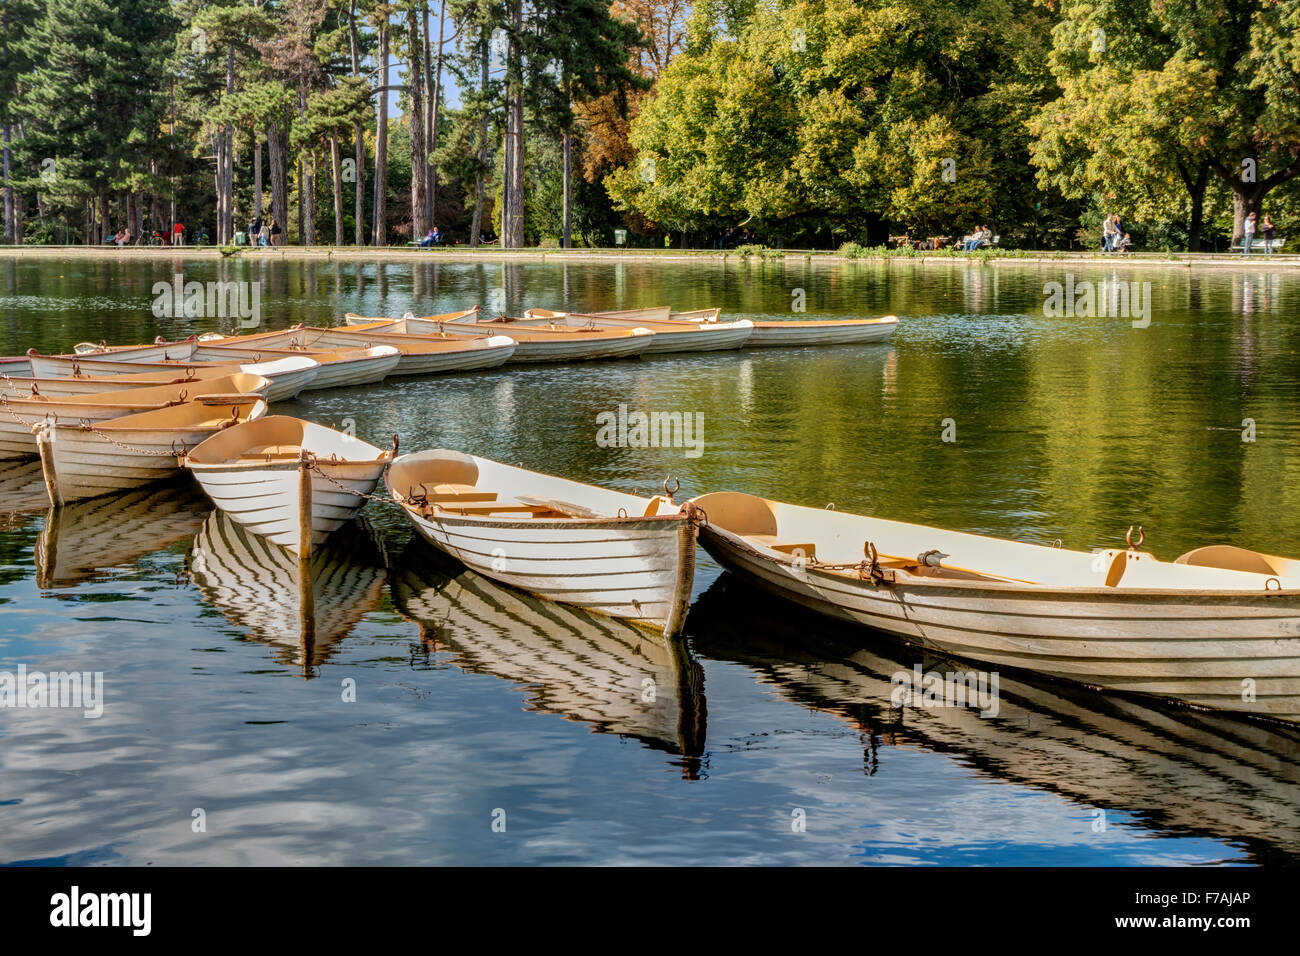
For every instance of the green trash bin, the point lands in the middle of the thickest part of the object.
(241, 238)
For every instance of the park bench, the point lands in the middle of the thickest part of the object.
(1268, 247)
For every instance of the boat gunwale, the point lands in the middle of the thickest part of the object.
(1029, 590)
(442, 516)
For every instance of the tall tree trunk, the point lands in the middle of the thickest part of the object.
(104, 219)
(226, 212)
(507, 168)
(476, 227)
(435, 105)
(218, 180)
(381, 143)
(279, 161)
(302, 204)
(337, 172)
(10, 232)
(415, 91)
(515, 72)
(358, 133)
(567, 240)
(257, 179)
(133, 217)
(1197, 190)
(426, 83)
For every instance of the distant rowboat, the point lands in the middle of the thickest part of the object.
(533, 345)
(821, 332)
(160, 350)
(87, 461)
(16, 365)
(671, 334)
(768, 334)
(341, 368)
(255, 472)
(289, 375)
(421, 354)
(18, 416)
(1218, 628)
(606, 551)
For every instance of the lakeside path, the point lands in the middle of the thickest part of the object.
(1182, 260)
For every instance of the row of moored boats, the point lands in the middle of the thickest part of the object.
(1219, 627)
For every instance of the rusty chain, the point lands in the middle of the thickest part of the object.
(312, 463)
(14, 415)
(85, 426)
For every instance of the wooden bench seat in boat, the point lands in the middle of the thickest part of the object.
(806, 549)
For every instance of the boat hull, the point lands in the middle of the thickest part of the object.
(831, 332)
(339, 373)
(64, 385)
(1214, 650)
(80, 463)
(622, 567)
(421, 355)
(19, 417)
(285, 384)
(536, 345)
(602, 550)
(266, 500)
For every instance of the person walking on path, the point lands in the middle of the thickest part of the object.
(1247, 235)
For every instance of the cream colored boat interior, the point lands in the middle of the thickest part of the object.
(238, 385)
(838, 542)
(282, 438)
(208, 412)
(454, 483)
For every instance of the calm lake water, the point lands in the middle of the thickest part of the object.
(594, 744)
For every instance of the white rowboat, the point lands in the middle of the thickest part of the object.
(160, 350)
(19, 416)
(671, 335)
(421, 354)
(1213, 636)
(61, 385)
(255, 472)
(602, 550)
(289, 375)
(338, 369)
(535, 344)
(821, 332)
(771, 334)
(85, 462)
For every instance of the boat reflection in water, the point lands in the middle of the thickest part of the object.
(85, 540)
(22, 490)
(601, 671)
(1176, 770)
(258, 586)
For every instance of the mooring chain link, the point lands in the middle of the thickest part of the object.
(382, 499)
(14, 415)
(85, 426)
(4, 376)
